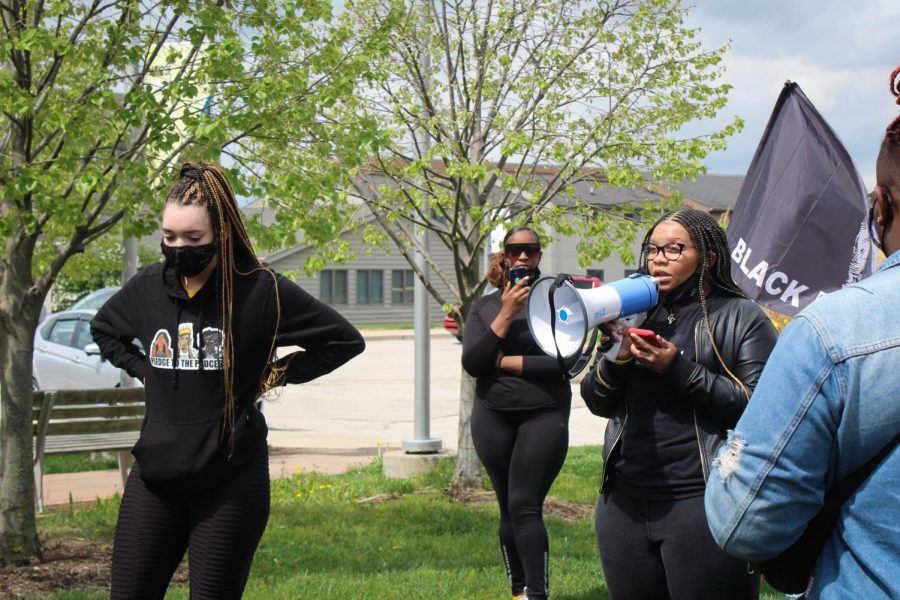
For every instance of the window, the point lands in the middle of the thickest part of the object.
(83, 334)
(63, 332)
(333, 286)
(598, 273)
(369, 287)
(402, 283)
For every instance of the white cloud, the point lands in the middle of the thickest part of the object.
(840, 53)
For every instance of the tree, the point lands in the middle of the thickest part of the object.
(493, 109)
(102, 100)
(99, 266)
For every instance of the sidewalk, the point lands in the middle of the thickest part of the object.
(63, 488)
(291, 451)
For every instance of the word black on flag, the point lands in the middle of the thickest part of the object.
(799, 228)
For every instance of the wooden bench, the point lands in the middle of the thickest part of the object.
(69, 421)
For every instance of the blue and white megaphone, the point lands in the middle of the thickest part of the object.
(561, 318)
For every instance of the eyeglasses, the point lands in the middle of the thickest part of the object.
(670, 251)
(512, 251)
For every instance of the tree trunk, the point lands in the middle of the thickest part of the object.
(18, 533)
(468, 467)
(19, 310)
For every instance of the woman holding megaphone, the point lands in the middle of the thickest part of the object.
(680, 387)
(521, 415)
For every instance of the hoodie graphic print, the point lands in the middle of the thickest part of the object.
(201, 352)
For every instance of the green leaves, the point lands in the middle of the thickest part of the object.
(100, 108)
(517, 102)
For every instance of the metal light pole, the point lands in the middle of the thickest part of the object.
(422, 443)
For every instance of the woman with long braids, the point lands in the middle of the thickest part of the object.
(520, 421)
(669, 399)
(213, 316)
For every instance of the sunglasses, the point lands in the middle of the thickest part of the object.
(512, 251)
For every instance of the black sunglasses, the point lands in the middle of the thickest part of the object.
(515, 250)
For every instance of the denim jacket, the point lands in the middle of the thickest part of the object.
(828, 401)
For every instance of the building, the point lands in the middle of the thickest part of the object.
(378, 287)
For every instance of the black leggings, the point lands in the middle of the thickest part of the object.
(663, 549)
(523, 452)
(220, 526)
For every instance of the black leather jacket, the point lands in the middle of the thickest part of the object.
(744, 337)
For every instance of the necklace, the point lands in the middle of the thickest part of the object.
(184, 283)
(671, 318)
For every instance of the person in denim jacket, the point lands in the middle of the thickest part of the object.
(827, 402)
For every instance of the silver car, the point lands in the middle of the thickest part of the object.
(66, 357)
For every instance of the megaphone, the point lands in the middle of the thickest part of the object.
(561, 317)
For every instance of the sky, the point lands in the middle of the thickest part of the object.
(840, 53)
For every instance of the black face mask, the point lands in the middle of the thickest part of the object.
(188, 260)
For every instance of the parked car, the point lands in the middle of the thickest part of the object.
(451, 324)
(94, 300)
(585, 283)
(66, 357)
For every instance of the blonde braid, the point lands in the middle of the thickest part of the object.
(273, 375)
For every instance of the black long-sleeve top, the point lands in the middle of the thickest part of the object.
(182, 359)
(541, 383)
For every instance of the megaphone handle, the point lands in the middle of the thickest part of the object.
(585, 357)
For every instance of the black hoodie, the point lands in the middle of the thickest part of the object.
(182, 441)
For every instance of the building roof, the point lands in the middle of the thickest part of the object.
(715, 193)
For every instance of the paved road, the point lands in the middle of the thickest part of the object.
(369, 401)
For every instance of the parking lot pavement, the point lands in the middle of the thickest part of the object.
(369, 402)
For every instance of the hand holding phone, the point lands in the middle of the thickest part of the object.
(645, 334)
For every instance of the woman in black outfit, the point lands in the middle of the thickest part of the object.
(669, 402)
(209, 318)
(520, 419)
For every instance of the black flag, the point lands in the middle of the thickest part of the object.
(799, 228)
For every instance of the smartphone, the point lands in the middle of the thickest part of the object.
(645, 334)
(518, 273)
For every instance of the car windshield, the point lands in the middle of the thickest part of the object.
(94, 300)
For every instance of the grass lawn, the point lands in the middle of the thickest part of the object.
(359, 535)
(76, 463)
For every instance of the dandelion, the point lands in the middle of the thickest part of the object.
(325, 486)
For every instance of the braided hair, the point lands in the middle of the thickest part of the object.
(707, 236)
(888, 164)
(204, 184)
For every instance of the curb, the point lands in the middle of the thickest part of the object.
(373, 336)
